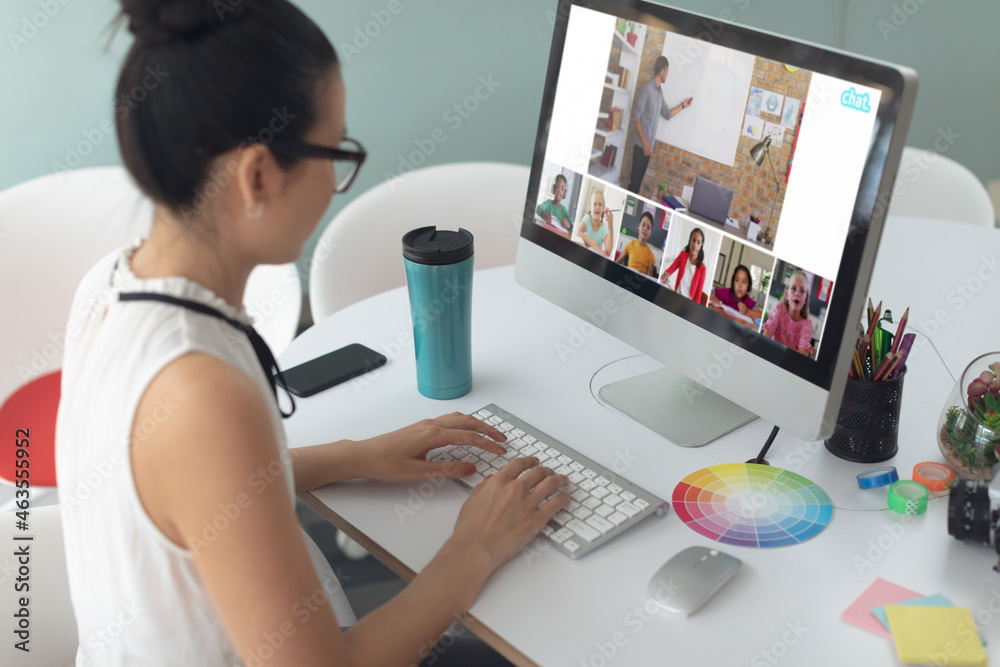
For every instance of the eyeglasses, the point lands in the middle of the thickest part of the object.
(347, 159)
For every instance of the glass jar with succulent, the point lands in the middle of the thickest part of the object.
(969, 427)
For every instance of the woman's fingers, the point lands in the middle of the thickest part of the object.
(534, 476)
(513, 470)
(458, 420)
(547, 487)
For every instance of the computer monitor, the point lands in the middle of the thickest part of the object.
(809, 140)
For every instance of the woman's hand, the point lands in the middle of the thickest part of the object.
(743, 308)
(502, 514)
(401, 456)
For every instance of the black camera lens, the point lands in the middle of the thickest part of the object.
(969, 514)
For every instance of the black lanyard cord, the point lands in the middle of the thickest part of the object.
(260, 347)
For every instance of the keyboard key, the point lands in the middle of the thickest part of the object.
(487, 456)
(479, 417)
(612, 500)
(528, 439)
(565, 460)
(571, 546)
(550, 463)
(562, 517)
(602, 480)
(474, 479)
(483, 467)
(591, 503)
(547, 531)
(589, 474)
(604, 511)
(470, 458)
(499, 463)
(516, 444)
(579, 495)
(575, 478)
(563, 470)
(588, 485)
(581, 513)
(540, 445)
(516, 432)
(628, 509)
(542, 456)
(617, 518)
(442, 458)
(528, 451)
(572, 505)
(505, 426)
(553, 452)
(627, 495)
(583, 530)
(640, 503)
(510, 454)
(579, 467)
(485, 413)
(600, 492)
(600, 524)
(494, 420)
(561, 535)
(614, 488)
(459, 452)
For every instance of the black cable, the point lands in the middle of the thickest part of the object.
(767, 445)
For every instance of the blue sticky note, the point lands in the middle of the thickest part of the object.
(928, 601)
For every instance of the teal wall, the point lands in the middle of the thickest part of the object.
(58, 79)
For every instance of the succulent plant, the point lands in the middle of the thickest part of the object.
(973, 430)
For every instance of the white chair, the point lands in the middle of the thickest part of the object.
(360, 251)
(930, 185)
(53, 638)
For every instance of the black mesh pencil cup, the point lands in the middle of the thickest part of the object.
(868, 423)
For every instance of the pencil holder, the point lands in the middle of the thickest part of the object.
(868, 423)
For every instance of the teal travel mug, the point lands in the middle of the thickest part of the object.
(439, 278)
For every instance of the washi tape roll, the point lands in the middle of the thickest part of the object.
(906, 497)
(871, 479)
(935, 476)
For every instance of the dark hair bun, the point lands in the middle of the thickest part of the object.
(160, 21)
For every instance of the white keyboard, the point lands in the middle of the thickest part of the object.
(601, 507)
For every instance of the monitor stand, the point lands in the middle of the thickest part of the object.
(676, 407)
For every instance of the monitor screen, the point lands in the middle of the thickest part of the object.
(726, 176)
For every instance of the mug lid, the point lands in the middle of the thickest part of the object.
(429, 245)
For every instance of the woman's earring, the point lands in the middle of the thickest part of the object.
(255, 212)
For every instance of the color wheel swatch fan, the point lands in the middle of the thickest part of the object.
(752, 505)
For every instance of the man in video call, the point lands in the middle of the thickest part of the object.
(648, 110)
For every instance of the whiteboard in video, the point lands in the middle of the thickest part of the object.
(718, 79)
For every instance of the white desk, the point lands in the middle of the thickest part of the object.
(549, 609)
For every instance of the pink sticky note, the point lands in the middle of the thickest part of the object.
(881, 592)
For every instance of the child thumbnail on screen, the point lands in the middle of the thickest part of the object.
(558, 193)
(599, 209)
(676, 110)
(796, 308)
(641, 236)
(689, 258)
(739, 286)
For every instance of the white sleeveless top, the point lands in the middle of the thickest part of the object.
(137, 596)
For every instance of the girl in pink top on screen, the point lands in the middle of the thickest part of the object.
(690, 267)
(737, 295)
(789, 322)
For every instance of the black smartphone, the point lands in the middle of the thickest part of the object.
(331, 369)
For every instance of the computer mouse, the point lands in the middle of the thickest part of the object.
(686, 582)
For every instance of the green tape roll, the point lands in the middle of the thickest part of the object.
(906, 497)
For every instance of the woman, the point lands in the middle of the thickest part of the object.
(690, 265)
(165, 381)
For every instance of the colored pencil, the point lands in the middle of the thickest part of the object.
(883, 367)
(897, 367)
(899, 330)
